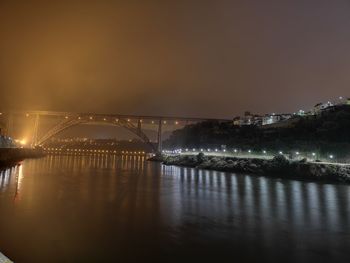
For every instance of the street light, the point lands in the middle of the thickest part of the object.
(280, 152)
(264, 152)
(249, 151)
(331, 156)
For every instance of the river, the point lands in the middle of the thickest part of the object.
(125, 209)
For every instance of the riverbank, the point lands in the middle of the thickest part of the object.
(12, 156)
(279, 166)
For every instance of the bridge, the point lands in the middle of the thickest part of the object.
(66, 120)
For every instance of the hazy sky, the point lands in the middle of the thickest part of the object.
(191, 58)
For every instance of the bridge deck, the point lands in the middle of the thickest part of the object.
(108, 115)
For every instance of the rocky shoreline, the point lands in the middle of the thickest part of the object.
(279, 166)
(10, 157)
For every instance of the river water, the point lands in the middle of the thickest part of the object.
(125, 209)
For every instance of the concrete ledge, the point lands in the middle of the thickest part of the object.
(4, 259)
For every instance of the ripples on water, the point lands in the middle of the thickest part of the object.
(125, 209)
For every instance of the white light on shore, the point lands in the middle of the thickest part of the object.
(331, 156)
(216, 150)
(193, 149)
(313, 154)
(280, 152)
(249, 151)
(297, 153)
(264, 152)
(224, 150)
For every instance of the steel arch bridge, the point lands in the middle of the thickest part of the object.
(132, 123)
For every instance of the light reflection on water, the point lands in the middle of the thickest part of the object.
(108, 208)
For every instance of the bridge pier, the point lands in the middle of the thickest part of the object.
(160, 146)
(35, 131)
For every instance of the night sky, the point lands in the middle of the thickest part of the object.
(187, 58)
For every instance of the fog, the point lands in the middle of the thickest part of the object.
(183, 58)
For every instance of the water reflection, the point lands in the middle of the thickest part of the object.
(98, 205)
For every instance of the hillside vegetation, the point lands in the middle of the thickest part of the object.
(326, 133)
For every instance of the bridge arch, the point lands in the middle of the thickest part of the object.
(69, 122)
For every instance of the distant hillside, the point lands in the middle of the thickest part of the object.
(326, 133)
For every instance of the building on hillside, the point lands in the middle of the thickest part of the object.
(321, 106)
(248, 119)
(237, 121)
(274, 118)
(270, 119)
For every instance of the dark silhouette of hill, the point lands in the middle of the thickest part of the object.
(326, 133)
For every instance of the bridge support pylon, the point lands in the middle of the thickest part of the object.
(160, 146)
(35, 131)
